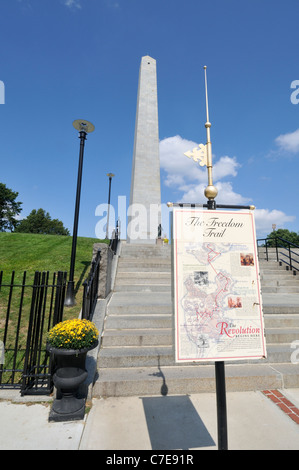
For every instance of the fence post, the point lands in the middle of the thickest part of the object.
(276, 246)
(84, 302)
(29, 333)
(290, 257)
(91, 288)
(59, 297)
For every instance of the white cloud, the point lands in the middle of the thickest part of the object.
(73, 3)
(226, 193)
(226, 166)
(288, 142)
(184, 175)
(195, 193)
(264, 218)
(180, 169)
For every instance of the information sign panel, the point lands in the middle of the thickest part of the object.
(216, 287)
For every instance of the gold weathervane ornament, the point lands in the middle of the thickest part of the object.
(203, 154)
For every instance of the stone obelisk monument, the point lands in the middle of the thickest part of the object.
(145, 200)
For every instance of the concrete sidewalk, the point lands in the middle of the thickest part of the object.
(154, 423)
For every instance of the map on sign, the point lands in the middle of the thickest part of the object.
(216, 288)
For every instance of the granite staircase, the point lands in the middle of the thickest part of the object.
(136, 355)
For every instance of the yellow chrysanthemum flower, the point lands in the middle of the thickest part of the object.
(73, 334)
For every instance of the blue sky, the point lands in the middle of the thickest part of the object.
(62, 60)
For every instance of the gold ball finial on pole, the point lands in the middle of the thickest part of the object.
(211, 192)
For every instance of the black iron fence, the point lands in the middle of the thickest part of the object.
(30, 305)
(90, 288)
(28, 309)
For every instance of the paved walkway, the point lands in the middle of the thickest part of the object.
(186, 422)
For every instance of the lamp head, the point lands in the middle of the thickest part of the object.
(83, 126)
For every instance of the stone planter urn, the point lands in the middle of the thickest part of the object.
(68, 344)
(69, 373)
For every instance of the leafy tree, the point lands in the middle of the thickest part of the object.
(285, 234)
(9, 208)
(39, 221)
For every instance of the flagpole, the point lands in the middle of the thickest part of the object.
(210, 191)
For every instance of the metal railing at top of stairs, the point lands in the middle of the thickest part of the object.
(115, 237)
(287, 256)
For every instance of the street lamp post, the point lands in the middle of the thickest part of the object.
(110, 175)
(84, 128)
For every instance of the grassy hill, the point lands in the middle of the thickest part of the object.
(32, 252)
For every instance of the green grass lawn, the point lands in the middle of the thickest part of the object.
(33, 252)
(21, 252)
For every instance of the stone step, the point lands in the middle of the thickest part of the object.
(279, 282)
(156, 269)
(124, 303)
(132, 275)
(279, 353)
(268, 279)
(138, 310)
(149, 356)
(277, 267)
(140, 302)
(281, 320)
(267, 270)
(282, 335)
(143, 280)
(146, 259)
(145, 253)
(141, 287)
(277, 272)
(137, 248)
(141, 309)
(144, 263)
(157, 257)
(164, 336)
(200, 378)
(281, 264)
(281, 304)
(138, 337)
(280, 289)
(271, 274)
(262, 257)
(138, 321)
(271, 256)
(136, 314)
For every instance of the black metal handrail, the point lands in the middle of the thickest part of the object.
(90, 288)
(115, 238)
(282, 257)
